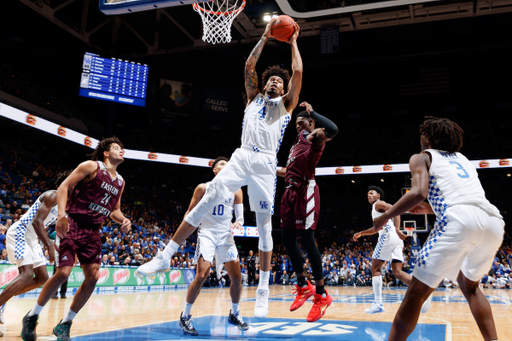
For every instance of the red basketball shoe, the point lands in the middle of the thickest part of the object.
(320, 305)
(302, 295)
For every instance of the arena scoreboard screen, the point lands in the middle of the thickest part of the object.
(114, 80)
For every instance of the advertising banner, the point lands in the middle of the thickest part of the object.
(110, 276)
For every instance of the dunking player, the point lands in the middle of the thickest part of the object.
(468, 229)
(389, 248)
(96, 189)
(300, 207)
(215, 237)
(254, 164)
(23, 245)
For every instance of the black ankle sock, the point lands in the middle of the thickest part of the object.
(302, 282)
(320, 289)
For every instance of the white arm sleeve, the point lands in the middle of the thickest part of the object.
(239, 213)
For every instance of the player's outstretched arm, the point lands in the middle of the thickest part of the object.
(48, 201)
(320, 135)
(419, 190)
(250, 75)
(196, 197)
(422, 208)
(367, 232)
(291, 98)
(119, 217)
(84, 170)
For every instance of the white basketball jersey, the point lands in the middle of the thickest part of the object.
(390, 225)
(219, 219)
(454, 181)
(25, 223)
(265, 121)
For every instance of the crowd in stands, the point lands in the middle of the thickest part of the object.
(156, 210)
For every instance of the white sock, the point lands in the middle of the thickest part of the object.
(187, 309)
(234, 308)
(170, 250)
(264, 278)
(69, 316)
(377, 288)
(36, 310)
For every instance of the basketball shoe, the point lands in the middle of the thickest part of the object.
(320, 304)
(375, 308)
(237, 320)
(302, 295)
(187, 326)
(261, 306)
(62, 331)
(157, 264)
(28, 331)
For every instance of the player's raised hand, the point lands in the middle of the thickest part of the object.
(308, 107)
(295, 34)
(236, 226)
(268, 28)
(421, 208)
(126, 225)
(62, 226)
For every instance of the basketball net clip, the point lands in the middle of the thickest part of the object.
(217, 17)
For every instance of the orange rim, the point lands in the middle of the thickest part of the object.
(197, 7)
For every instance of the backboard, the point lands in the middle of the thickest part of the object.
(112, 7)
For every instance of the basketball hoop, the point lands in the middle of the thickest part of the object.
(409, 231)
(217, 17)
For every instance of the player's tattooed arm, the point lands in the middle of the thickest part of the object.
(250, 75)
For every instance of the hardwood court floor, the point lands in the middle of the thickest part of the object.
(119, 311)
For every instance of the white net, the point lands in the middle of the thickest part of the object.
(217, 17)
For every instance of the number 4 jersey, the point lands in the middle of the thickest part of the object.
(454, 181)
(92, 202)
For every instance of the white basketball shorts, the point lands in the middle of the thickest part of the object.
(23, 249)
(218, 245)
(257, 170)
(389, 247)
(466, 239)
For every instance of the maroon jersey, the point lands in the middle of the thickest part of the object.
(302, 160)
(92, 202)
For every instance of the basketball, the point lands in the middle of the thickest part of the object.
(283, 28)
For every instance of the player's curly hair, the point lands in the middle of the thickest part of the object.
(442, 133)
(217, 160)
(104, 146)
(276, 70)
(61, 177)
(378, 190)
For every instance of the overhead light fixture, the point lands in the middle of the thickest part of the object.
(381, 180)
(509, 175)
(267, 17)
(353, 181)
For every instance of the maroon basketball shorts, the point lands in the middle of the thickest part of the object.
(300, 207)
(83, 241)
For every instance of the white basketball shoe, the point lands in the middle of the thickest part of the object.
(375, 309)
(426, 305)
(261, 306)
(157, 264)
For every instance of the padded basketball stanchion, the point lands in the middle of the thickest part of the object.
(217, 17)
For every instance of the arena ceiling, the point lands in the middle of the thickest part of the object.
(178, 29)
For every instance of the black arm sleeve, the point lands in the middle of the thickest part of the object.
(331, 129)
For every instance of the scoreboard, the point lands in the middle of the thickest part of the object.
(114, 80)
